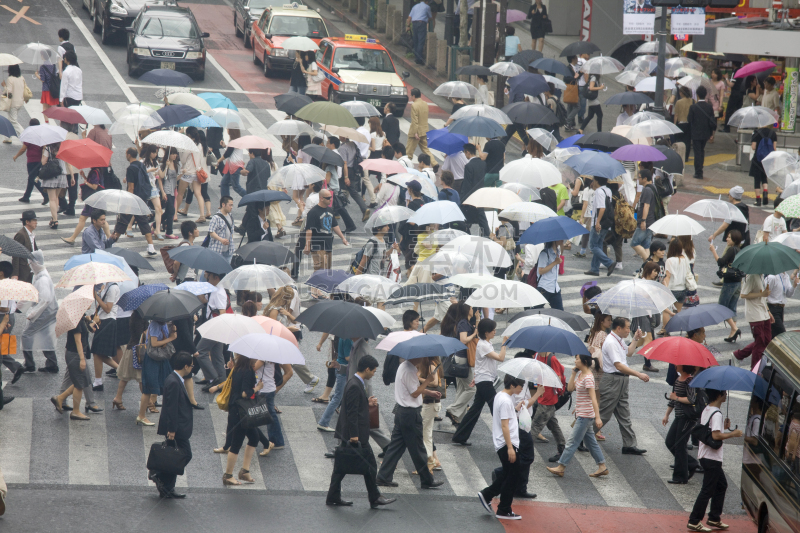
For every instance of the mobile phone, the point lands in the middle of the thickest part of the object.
(437, 368)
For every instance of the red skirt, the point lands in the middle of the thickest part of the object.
(47, 99)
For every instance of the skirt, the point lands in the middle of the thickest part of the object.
(189, 178)
(47, 99)
(153, 375)
(76, 375)
(123, 331)
(59, 182)
(126, 372)
(104, 341)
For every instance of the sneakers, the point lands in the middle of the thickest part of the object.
(325, 428)
(311, 384)
(697, 527)
(619, 266)
(511, 515)
(717, 525)
(486, 504)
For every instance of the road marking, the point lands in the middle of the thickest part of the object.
(402, 477)
(219, 419)
(462, 473)
(236, 86)
(20, 14)
(208, 90)
(88, 451)
(150, 437)
(308, 448)
(16, 420)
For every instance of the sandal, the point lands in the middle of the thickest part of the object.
(186, 214)
(555, 471)
(267, 450)
(245, 476)
(220, 450)
(278, 411)
(54, 224)
(319, 400)
(153, 409)
(201, 220)
(599, 436)
(117, 405)
(599, 474)
(227, 479)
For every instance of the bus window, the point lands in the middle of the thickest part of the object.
(778, 399)
(792, 448)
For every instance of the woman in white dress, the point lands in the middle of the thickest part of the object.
(192, 161)
(313, 76)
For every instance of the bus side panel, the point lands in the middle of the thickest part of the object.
(760, 488)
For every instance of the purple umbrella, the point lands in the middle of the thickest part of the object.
(513, 15)
(637, 152)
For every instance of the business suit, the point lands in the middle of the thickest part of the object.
(255, 230)
(474, 173)
(419, 126)
(20, 265)
(361, 348)
(354, 422)
(176, 417)
(702, 125)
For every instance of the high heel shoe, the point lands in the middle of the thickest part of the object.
(244, 476)
(734, 337)
(144, 422)
(117, 405)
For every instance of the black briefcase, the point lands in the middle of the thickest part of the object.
(355, 459)
(166, 458)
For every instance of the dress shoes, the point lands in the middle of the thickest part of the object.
(632, 450)
(386, 483)
(329, 455)
(18, 374)
(197, 406)
(433, 485)
(339, 503)
(676, 482)
(7, 399)
(30, 369)
(174, 495)
(51, 369)
(153, 476)
(525, 495)
(382, 501)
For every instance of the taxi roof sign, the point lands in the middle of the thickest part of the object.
(293, 5)
(360, 38)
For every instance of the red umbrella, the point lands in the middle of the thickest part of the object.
(84, 153)
(66, 114)
(679, 351)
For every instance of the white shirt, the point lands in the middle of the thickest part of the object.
(485, 368)
(531, 256)
(311, 201)
(71, 83)
(455, 163)
(406, 162)
(32, 237)
(577, 68)
(780, 286)
(266, 375)
(217, 301)
(621, 118)
(503, 409)
(523, 396)
(388, 194)
(406, 381)
(614, 351)
(717, 424)
(364, 147)
(61, 51)
(755, 309)
(376, 141)
(11, 305)
(110, 294)
(678, 268)
(774, 226)
(599, 201)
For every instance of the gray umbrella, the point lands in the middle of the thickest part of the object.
(13, 248)
(324, 155)
(171, 304)
(201, 259)
(132, 258)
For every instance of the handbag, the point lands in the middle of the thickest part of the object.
(525, 420)
(202, 175)
(137, 354)
(354, 458)
(224, 396)
(472, 346)
(691, 282)
(8, 344)
(166, 458)
(570, 95)
(5, 103)
(374, 417)
(111, 181)
(253, 411)
(452, 369)
(159, 353)
(547, 26)
(27, 94)
(51, 169)
(211, 159)
(54, 84)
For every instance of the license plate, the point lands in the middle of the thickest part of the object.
(375, 101)
(169, 65)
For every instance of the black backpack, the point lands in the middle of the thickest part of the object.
(608, 222)
(663, 186)
(207, 240)
(703, 433)
(658, 205)
(54, 82)
(142, 187)
(354, 266)
(561, 111)
(110, 180)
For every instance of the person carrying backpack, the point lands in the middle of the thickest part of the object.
(762, 143)
(648, 211)
(138, 183)
(602, 224)
(682, 401)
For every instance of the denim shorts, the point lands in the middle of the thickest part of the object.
(680, 296)
(641, 238)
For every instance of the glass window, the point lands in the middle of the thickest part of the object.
(791, 451)
(303, 26)
(777, 400)
(363, 59)
(264, 21)
(320, 53)
(170, 27)
(328, 55)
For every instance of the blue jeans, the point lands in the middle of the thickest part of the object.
(582, 431)
(336, 399)
(729, 295)
(228, 181)
(298, 90)
(641, 238)
(596, 246)
(553, 298)
(419, 32)
(273, 430)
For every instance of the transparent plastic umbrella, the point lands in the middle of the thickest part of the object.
(289, 127)
(716, 210)
(652, 48)
(693, 82)
(778, 164)
(543, 137)
(642, 116)
(118, 201)
(530, 171)
(648, 85)
(375, 288)
(644, 64)
(132, 124)
(390, 214)
(527, 194)
(532, 371)
(676, 225)
(487, 252)
(633, 298)
(793, 188)
(602, 65)
(137, 109)
(456, 89)
(630, 77)
(536, 320)
(653, 128)
(257, 278)
(358, 108)
(507, 69)
(677, 67)
(309, 173)
(558, 158)
(790, 239)
(227, 118)
(753, 117)
(557, 83)
(482, 110)
(300, 43)
(506, 294)
(527, 212)
(443, 236)
(37, 54)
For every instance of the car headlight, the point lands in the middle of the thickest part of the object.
(398, 91)
(117, 9)
(141, 51)
(279, 52)
(350, 88)
(194, 55)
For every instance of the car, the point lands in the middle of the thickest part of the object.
(111, 17)
(166, 37)
(246, 12)
(359, 68)
(278, 24)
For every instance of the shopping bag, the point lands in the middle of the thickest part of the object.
(8, 344)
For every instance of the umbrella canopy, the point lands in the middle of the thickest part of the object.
(266, 253)
(754, 67)
(778, 165)
(163, 76)
(790, 239)
(201, 259)
(340, 318)
(327, 113)
(790, 208)
(273, 327)
(264, 196)
(527, 212)
(43, 135)
(439, 212)
(428, 188)
(638, 152)
(532, 371)
(693, 82)
(308, 173)
(766, 258)
(570, 141)
(12, 248)
(348, 133)
(97, 257)
(536, 320)
(527, 83)
(446, 142)
(170, 304)
(216, 100)
(427, 346)
(357, 108)
(678, 67)
(552, 65)
(92, 273)
(324, 155)
(270, 348)
(84, 153)
(92, 115)
(386, 166)
(526, 57)
(449, 263)
(391, 214)
(417, 292)
(630, 77)
(200, 121)
(674, 162)
(386, 320)
(753, 117)
(36, 54)
(171, 139)
(476, 126)
(6, 128)
(227, 328)
(192, 100)
(250, 142)
(72, 308)
(596, 164)
(641, 116)
(648, 85)
(725, 378)
(547, 339)
(175, 114)
(716, 209)
(327, 280)
(577, 323)
(118, 201)
(530, 113)
(652, 48)
(507, 68)
(256, 278)
(503, 293)
(513, 15)
(12, 289)
(132, 124)
(483, 251)
(300, 43)
(456, 89)
(603, 141)
(558, 228)
(679, 351)
(629, 98)
(530, 171)
(444, 236)
(699, 317)
(375, 288)
(546, 139)
(472, 281)
(523, 191)
(634, 297)
(64, 114)
(131, 300)
(675, 225)
(652, 128)
(579, 47)
(395, 337)
(227, 118)
(474, 70)
(792, 189)
(602, 65)
(492, 198)
(291, 103)
(198, 288)
(290, 127)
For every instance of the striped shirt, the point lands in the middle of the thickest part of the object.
(681, 390)
(583, 402)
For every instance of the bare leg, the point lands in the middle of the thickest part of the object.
(143, 403)
(159, 212)
(189, 384)
(734, 328)
(64, 395)
(182, 186)
(199, 196)
(52, 194)
(540, 44)
(79, 229)
(120, 390)
(249, 451)
(77, 394)
(230, 465)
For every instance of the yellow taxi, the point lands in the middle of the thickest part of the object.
(277, 24)
(359, 68)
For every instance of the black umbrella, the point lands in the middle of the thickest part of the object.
(629, 98)
(264, 196)
(418, 292)
(266, 253)
(171, 304)
(165, 76)
(343, 319)
(674, 162)
(699, 317)
(574, 321)
(579, 47)
(176, 114)
(549, 64)
(324, 155)
(474, 70)
(527, 83)
(291, 103)
(201, 259)
(13, 248)
(603, 141)
(530, 113)
(132, 258)
(525, 58)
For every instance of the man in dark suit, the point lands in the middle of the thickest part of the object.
(474, 173)
(702, 125)
(176, 419)
(353, 427)
(257, 227)
(26, 238)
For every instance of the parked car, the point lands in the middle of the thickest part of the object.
(246, 12)
(111, 17)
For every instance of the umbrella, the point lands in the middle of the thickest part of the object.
(200, 121)
(12, 248)
(348, 133)
(532, 371)
(304, 171)
(483, 251)
(558, 158)
(427, 346)
(357, 108)
(474, 70)
(792, 189)
(633, 298)
(530, 113)
(570, 141)
(118, 201)
(227, 328)
(547, 339)
(264, 196)
(439, 212)
(679, 351)
(525, 58)
(290, 127)
(428, 188)
(109, 259)
(504, 293)
(766, 258)
(557, 83)
(327, 280)
(602, 65)
(648, 85)
(386, 320)
(674, 225)
(478, 110)
(536, 320)
(546, 139)
(523, 191)
(576, 322)
(6, 128)
(12, 289)
(391, 214)
(492, 198)
(513, 15)
(472, 281)
(324, 155)
(642, 116)
(456, 89)
(375, 288)
(693, 82)
(716, 209)
(198, 288)
(291, 103)
(250, 142)
(652, 48)
(64, 114)
(257, 278)
(725, 378)
(778, 164)
(629, 98)
(603, 141)
(176, 114)
(652, 128)
(754, 68)
(227, 118)
(72, 308)
(446, 142)
(133, 299)
(201, 259)
(645, 64)
(142, 108)
(417, 292)
(527, 83)
(444, 236)
(269, 348)
(266, 253)
(630, 77)
(392, 339)
(387, 166)
(452, 263)
(84, 153)
(507, 68)
(790, 208)
(558, 228)
(216, 100)
(681, 66)
(131, 124)
(596, 164)
(340, 318)
(579, 47)
(753, 117)
(477, 126)
(638, 152)
(8, 60)
(327, 113)
(92, 115)
(192, 100)
(674, 162)
(552, 65)
(171, 139)
(699, 316)
(790, 239)
(92, 273)
(300, 43)
(527, 212)
(163, 76)
(170, 304)
(273, 327)
(36, 54)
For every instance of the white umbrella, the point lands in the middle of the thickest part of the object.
(693, 82)
(652, 48)
(493, 198)
(349, 133)
(36, 54)
(227, 118)
(536, 320)
(450, 263)
(290, 127)
(132, 124)
(791, 189)
(383, 317)
(300, 43)
(682, 66)
(439, 212)
(778, 164)
(137, 109)
(456, 89)
(269, 348)
(483, 111)
(533, 172)
(390, 214)
(527, 212)
(653, 128)
(643, 64)
(472, 281)
(507, 69)
(309, 173)
(505, 294)
(557, 83)
(483, 251)
(227, 328)
(376, 288)
(396, 337)
(92, 115)
(602, 65)
(43, 135)
(256, 278)
(192, 100)
(171, 139)
(532, 371)
(8, 60)
(630, 77)
(358, 108)
(753, 117)
(634, 297)
(675, 225)
(527, 194)
(642, 116)
(543, 137)
(790, 239)
(648, 85)
(428, 189)
(443, 236)
(118, 201)
(716, 209)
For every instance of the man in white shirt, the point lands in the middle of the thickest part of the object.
(104, 342)
(211, 358)
(403, 159)
(407, 432)
(774, 225)
(455, 163)
(780, 286)
(615, 382)
(597, 235)
(757, 314)
(71, 92)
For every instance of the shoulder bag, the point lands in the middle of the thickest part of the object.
(27, 94)
(691, 282)
(452, 369)
(202, 175)
(54, 83)
(253, 411)
(224, 396)
(51, 169)
(137, 354)
(472, 347)
(704, 434)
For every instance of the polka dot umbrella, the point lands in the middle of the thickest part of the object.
(91, 274)
(72, 309)
(11, 289)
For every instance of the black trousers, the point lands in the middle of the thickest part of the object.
(33, 173)
(335, 489)
(169, 214)
(525, 460)
(677, 437)
(72, 191)
(169, 479)
(714, 487)
(699, 156)
(515, 128)
(341, 211)
(686, 138)
(484, 395)
(506, 483)
(476, 216)
(777, 314)
(123, 220)
(407, 433)
(298, 253)
(594, 111)
(354, 188)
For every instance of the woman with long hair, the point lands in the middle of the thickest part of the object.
(191, 165)
(54, 185)
(154, 372)
(731, 280)
(721, 86)
(461, 325)
(243, 385)
(647, 323)
(15, 88)
(311, 70)
(279, 308)
(169, 172)
(692, 299)
(752, 91)
(377, 138)
(538, 14)
(233, 163)
(297, 78)
(677, 269)
(157, 193)
(597, 336)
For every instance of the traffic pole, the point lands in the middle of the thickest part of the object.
(662, 59)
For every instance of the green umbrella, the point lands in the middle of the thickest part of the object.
(790, 208)
(327, 113)
(766, 258)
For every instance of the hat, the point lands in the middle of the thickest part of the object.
(736, 192)
(28, 214)
(414, 185)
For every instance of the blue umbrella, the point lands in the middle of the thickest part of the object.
(198, 288)
(6, 129)
(699, 317)
(176, 114)
(264, 196)
(569, 141)
(444, 141)
(427, 346)
(527, 83)
(217, 100)
(82, 259)
(477, 126)
(165, 76)
(596, 164)
(547, 339)
(548, 64)
(200, 121)
(133, 299)
(201, 258)
(725, 378)
(327, 280)
(552, 229)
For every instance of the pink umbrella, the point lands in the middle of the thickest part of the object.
(250, 142)
(273, 327)
(513, 15)
(637, 152)
(754, 68)
(392, 339)
(386, 166)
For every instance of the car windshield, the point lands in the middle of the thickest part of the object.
(303, 26)
(263, 4)
(170, 27)
(363, 59)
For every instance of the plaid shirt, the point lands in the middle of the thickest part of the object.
(223, 231)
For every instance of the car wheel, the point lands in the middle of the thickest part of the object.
(105, 32)
(97, 26)
(247, 42)
(256, 61)
(267, 70)
(201, 76)
(132, 72)
(399, 111)
(236, 26)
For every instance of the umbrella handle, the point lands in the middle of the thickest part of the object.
(666, 397)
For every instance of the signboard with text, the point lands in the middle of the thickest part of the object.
(688, 21)
(638, 17)
(790, 85)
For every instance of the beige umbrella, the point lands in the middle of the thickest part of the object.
(12, 289)
(349, 133)
(72, 309)
(8, 59)
(494, 198)
(192, 100)
(92, 273)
